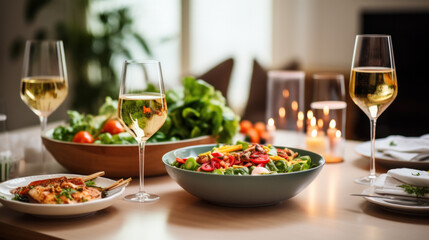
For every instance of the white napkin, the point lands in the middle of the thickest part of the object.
(388, 183)
(403, 148)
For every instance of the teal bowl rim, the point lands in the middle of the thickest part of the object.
(321, 164)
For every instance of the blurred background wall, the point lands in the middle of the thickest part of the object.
(191, 36)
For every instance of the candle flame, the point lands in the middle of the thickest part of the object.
(309, 114)
(294, 105)
(270, 122)
(313, 122)
(285, 93)
(326, 110)
(338, 133)
(300, 115)
(282, 112)
(320, 123)
(299, 124)
(314, 133)
(332, 123)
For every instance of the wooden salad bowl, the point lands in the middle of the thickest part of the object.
(118, 161)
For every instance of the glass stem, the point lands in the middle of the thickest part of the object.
(43, 122)
(141, 167)
(372, 160)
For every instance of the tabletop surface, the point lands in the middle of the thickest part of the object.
(324, 210)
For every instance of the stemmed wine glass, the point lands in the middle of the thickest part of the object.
(373, 84)
(44, 79)
(142, 109)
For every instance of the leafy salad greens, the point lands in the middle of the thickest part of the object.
(194, 110)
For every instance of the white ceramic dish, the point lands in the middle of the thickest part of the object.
(364, 149)
(56, 210)
(414, 210)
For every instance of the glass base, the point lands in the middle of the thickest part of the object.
(141, 197)
(368, 180)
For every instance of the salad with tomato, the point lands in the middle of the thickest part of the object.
(197, 109)
(245, 158)
(103, 128)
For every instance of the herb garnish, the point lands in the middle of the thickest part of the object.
(392, 143)
(21, 198)
(417, 190)
(415, 174)
(67, 192)
(90, 183)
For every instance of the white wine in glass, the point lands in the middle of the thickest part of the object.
(44, 83)
(373, 85)
(142, 109)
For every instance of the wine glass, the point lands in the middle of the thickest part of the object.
(373, 84)
(44, 80)
(142, 109)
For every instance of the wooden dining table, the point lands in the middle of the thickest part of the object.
(324, 210)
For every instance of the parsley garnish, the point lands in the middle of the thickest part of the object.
(415, 174)
(392, 143)
(21, 198)
(67, 192)
(90, 183)
(418, 191)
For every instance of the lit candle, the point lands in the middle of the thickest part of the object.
(312, 126)
(271, 128)
(332, 130)
(300, 122)
(315, 143)
(320, 123)
(325, 113)
(334, 147)
(309, 115)
(294, 106)
(282, 115)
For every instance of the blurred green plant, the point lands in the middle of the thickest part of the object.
(91, 54)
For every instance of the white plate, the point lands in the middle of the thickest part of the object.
(365, 150)
(56, 210)
(415, 210)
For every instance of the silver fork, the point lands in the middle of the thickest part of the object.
(399, 199)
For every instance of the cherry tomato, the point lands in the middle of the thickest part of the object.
(217, 155)
(83, 137)
(181, 160)
(258, 158)
(260, 128)
(207, 167)
(113, 127)
(253, 135)
(245, 125)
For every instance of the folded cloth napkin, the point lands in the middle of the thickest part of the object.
(403, 148)
(389, 183)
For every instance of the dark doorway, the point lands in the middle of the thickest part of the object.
(409, 113)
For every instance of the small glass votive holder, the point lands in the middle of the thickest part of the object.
(327, 119)
(6, 160)
(285, 103)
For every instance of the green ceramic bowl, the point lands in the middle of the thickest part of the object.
(240, 191)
